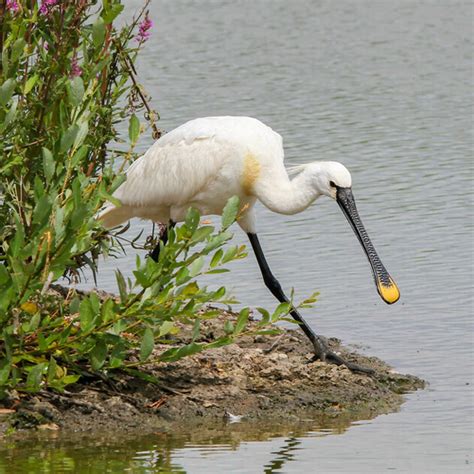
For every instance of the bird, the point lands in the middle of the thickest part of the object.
(206, 161)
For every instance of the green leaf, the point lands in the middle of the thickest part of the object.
(228, 327)
(232, 252)
(82, 133)
(201, 233)
(112, 12)
(69, 379)
(19, 239)
(30, 83)
(177, 353)
(192, 220)
(219, 293)
(217, 241)
(311, 299)
(98, 354)
(4, 275)
(268, 332)
(6, 91)
(222, 341)
(34, 322)
(98, 32)
(182, 276)
(95, 302)
(38, 187)
(75, 91)
(42, 211)
(148, 342)
(217, 270)
(143, 375)
(86, 315)
(216, 258)
(242, 320)
(48, 164)
(282, 308)
(230, 211)
(196, 266)
(52, 368)
(58, 223)
(117, 355)
(5, 367)
(196, 329)
(33, 381)
(142, 278)
(10, 116)
(79, 155)
(134, 129)
(5, 62)
(122, 286)
(105, 196)
(68, 138)
(17, 49)
(166, 328)
(74, 305)
(107, 310)
(265, 316)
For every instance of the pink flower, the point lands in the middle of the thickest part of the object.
(144, 30)
(76, 70)
(47, 6)
(12, 6)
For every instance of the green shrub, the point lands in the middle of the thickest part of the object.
(66, 81)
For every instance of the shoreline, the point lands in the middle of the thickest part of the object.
(261, 379)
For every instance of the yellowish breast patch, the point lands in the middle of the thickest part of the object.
(250, 174)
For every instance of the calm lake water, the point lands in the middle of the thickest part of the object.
(386, 88)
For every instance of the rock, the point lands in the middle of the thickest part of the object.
(46, 409)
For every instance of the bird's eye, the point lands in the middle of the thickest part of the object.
(332, 184)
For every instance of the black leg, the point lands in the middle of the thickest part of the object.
(321, 349)
(163, 238)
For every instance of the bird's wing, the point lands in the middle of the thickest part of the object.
(186, 160)
(174, 169)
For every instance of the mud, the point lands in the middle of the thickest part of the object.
(260, 379)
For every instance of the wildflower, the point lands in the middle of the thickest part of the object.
(76, 70)
(12, 6)
(46, 6)
(144, 30)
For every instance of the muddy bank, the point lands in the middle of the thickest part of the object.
(259, 379)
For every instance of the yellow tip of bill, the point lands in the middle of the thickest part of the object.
(389, 293)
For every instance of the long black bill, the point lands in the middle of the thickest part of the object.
(386, 287)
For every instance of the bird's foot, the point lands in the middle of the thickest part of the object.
(324, 354)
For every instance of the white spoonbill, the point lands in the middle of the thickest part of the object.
(205, 161)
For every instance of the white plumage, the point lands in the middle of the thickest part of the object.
(205, 161)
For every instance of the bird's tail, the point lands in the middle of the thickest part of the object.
(112, 216)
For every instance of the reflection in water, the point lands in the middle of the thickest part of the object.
(159, 452)
(284, 454)
(157, 459)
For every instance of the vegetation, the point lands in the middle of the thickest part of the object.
(67, 81)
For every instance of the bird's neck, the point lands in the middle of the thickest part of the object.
(289, 196)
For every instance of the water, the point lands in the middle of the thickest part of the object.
(385, 88)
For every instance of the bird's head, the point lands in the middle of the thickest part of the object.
(327, 176)
(334, 180)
